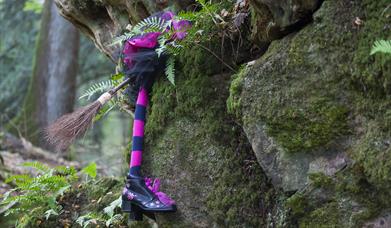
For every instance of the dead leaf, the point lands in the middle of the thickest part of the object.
(358, 21)
(224, 13)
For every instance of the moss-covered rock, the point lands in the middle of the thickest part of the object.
(202, 156)
(317, 100)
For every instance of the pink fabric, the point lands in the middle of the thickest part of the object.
(148, 40)
(142, 98)
(138, 128)
(154, 186)
(136, 158)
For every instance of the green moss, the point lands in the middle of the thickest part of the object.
(301, 129)
(321, 86)
(374, 153)
(320, 180)
(372, 74)
(297, 204)
(190, 134)
(303, 96)
(193, 93)
(239, 190)
(348, 191)
(235, 89)
(326, 216)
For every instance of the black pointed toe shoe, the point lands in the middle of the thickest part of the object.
(141, 196)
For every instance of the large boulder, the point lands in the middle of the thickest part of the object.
(314, 108)
(203, 157)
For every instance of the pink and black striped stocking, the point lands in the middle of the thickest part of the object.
(138, 132)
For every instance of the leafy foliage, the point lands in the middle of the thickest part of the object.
(110, 211)
(150, 24)
(383, 46)
(99, 87)
(90, 170)
(170, 69)
(36, 195)
(87, 219)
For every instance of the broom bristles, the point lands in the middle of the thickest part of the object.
(63, 132)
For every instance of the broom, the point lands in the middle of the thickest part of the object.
(62, 132)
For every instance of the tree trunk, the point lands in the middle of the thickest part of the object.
(52, 88)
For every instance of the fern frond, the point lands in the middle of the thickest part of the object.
(162, 46)
(19, 179)
(122, 38)
(170, 70)
(37, 165)
(174, 49)
(383, 46)
(99, 87)
(153, 24)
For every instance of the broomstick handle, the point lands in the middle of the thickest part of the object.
(118, 87)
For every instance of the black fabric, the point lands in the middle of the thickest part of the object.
(146, 67)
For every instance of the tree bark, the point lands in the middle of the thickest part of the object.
(52, 87)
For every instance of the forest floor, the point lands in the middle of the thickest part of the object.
(86, 201)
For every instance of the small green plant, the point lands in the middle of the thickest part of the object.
(383, 46)
(110, 211)
(90, 170)
(109, 217)
(36, 196)
(87, 219)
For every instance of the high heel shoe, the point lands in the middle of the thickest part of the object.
(141, 196)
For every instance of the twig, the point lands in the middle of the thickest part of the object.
(221, 60)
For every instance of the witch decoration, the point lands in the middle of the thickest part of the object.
(142, 59)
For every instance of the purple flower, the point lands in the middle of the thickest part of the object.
(167, 15)
(180, 28)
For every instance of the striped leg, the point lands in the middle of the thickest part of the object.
(138, 132)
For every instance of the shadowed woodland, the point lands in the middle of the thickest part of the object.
(263, 114)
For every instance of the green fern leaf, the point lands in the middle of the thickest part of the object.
(122, 38)
(37, 165)
(152, 24)
(174, 49)
(170, 70)
(162, 46)
(97, 87)
(383, 46)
